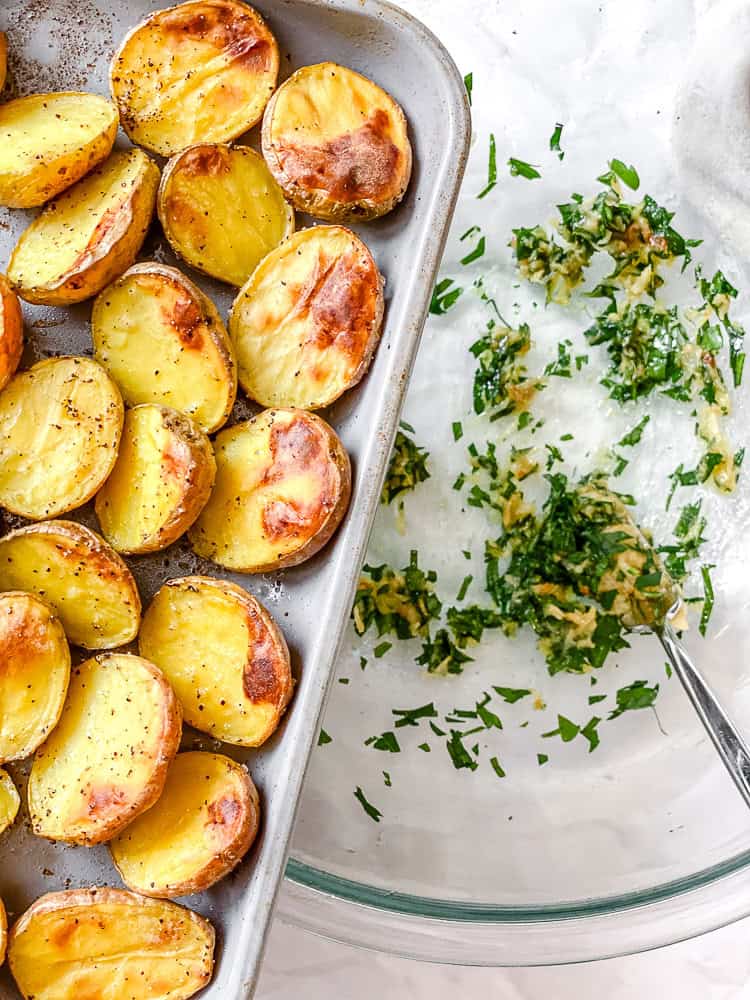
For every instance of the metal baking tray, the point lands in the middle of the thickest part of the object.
(67, 45)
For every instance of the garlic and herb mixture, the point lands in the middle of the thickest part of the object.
(564, 556)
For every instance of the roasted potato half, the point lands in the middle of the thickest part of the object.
(10, 802)
(3, 932)
(198, 72)
(307, 322)
(337, 144)
(34, 673)
(224, 656)
(60, 426)
(107, 759)
(160, 483)
(49, 141)
(283, 482)
(109, 943)
(11, 332)
(222, 211)
(89, 235)
(79, 575)
(198, 831)
(163, 341)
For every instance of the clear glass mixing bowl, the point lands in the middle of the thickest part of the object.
(644, 841)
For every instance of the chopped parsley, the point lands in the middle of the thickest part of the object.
(458, 752)
(324, 738)
(496, 767)
(708, 598)
(554, 141)
(634, 696)
(458, 430)
(441, 655)
(491, 169)
(386, 741)
(445, 295)
(566, 730)
(465, 584)
(541, 759)
(381, 649)
(387, 779)
(634, 436)
(519, 168)
(406, 470)
(501, 384)
(476, 253)
(372, 811)
(469, 84)
(412, 716)
(511, 695)
(402, 603)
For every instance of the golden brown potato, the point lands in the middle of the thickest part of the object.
(337, 144)
(107, 759)
(79, 575)
(10, 802)
(160, 483)
(198, 72)
(83, 944)
(11, 332)
(60, 426)
(307, 322)
(222, 211)
(198, 831)
(89, 235)
(224, 656)
(3, 62)
(34, 673)
(283, 482)
(49, 141)
(3, 932)
(163, 341)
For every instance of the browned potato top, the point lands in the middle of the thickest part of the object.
(337, 143)
(3, 58)
(283, 482)
(198, 72)
(307, 322)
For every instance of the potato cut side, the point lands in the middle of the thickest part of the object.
(337, 144)
(163, 341)
(11, 332)
(3, 67)
(60, 426)
(111, 944)
(34, 673)
(10, 802)
(283, 482)
(224, 656)
(74, 571)
(222, 211)
(198, 831)
(89, 235)
(49, 141)
(160, 483)
(107, 759)
(198, 72)
(307, 322)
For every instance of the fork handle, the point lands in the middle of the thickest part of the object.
(726, 738)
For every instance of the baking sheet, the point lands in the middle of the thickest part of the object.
(66, 44)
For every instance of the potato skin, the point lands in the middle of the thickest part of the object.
(11, 332)
(3, 71)
(201, 71)
(34, 673)
(354, 175)
(77, 549)
(241, 512)
(49, 170)
(180, 326)
(215, 792)
(3, 932)
(113, 244)
(186, 461)
(90, 720)
(10, 802)
(142, 926)
(205, 218)
(306, 324)
(237, 696)
(84, 415)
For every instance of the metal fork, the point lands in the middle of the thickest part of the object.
(723, 732)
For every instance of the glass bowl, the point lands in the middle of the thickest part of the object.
(643, 841)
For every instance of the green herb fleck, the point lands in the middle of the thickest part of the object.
(519, 168)
(554, 141)
(371, 810)
(324, 738)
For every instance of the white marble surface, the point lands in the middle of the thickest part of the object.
(713, 967)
